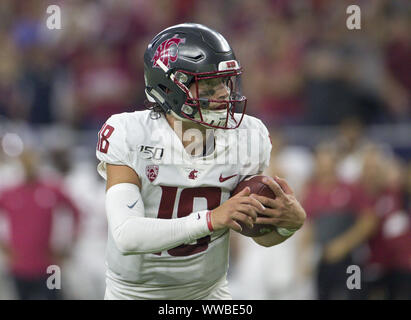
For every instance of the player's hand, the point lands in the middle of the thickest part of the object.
(241, 208)
(284, 211)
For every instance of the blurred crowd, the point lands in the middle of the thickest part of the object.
(302, 64)
(303, 67)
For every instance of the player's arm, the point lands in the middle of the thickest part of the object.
(121, 174)
(133, 233)
(130, 229)
(284, 212)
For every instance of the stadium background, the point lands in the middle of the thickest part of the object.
(337, 103)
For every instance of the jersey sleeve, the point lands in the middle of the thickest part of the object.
(265, 147)
(112, 147)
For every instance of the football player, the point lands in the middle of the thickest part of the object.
(168, 207)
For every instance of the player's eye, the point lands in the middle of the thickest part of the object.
(206, 94)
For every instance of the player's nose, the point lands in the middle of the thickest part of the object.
(222, 94)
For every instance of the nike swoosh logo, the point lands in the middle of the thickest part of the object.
(226, 178)
(132, 206)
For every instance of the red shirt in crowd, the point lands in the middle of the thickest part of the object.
(29, 209)
(390, 246)
(335, 199)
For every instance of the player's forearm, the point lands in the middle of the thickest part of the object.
(148, 235)
(135, 234)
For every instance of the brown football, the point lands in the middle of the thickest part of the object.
(256, 185)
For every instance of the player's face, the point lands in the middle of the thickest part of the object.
(212, 89)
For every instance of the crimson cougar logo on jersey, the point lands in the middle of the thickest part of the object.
(152, 172)
(167, 51)
(193, 174)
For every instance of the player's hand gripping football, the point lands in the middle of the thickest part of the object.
(284, 211)
(241, 207)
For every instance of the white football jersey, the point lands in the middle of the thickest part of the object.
(176, 184)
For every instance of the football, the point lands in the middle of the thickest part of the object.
(256, 185)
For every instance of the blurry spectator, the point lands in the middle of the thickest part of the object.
(350, 144)
(388, 267)
(86, 268)
(10, 105)
(29, 209)
(36, 81)
(292, 162)
(301, 63)
(330, 93)
(103, 86)
(398, 63)
(407, 188)
(280, 99)
(351, 136)
(338, 227)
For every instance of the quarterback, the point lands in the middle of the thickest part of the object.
(168, 201)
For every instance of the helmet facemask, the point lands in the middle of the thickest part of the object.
(211, 98)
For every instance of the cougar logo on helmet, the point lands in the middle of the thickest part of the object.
(167, 51)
